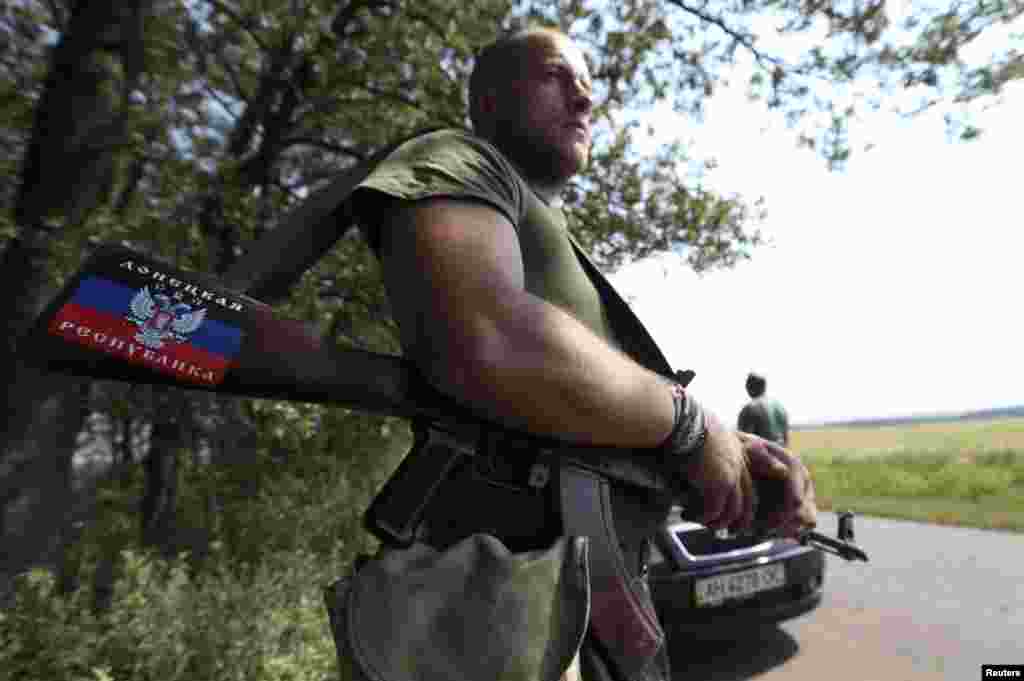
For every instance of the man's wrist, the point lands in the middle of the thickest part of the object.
(689, 430)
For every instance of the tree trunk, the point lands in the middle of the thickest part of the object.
(40, 512)
(26, 284)
(68, 171)
(159, 501)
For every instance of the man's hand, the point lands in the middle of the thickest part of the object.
(721, 475)
(796, 510)
(725, 475)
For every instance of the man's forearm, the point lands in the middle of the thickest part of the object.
(543, 371)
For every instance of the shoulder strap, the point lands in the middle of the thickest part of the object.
(276, 261)
(629, 330)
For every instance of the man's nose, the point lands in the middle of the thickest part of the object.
(581, 97)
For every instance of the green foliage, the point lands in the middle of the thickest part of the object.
(967, 472)
(245, 106)
(244, 602)
(232, 112)
(627, 208)
(910, 474)
(811, 61)
(164, 625)
(303, 490)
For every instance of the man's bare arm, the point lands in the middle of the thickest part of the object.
(455, 279)
(454, 275)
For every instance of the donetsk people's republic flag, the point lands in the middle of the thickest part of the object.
(160, 327)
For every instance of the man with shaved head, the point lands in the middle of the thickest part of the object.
(497, 311)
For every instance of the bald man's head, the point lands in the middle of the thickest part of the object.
(531, 95)
(499, 62)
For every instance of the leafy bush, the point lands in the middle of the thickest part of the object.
(164, 625)
(287, 523)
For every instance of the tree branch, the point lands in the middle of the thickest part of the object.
(326, 145)
(239, 20)
(288, 189)
(259, 111)
(744, 40)
(403, 99)
(232, 76)
(428, 21)
(341, 20)
(59, 16)
(217, 98)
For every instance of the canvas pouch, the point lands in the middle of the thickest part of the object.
(474, 611)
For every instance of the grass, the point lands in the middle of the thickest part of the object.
(957, 473)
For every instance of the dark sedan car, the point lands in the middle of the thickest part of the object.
(710, 585)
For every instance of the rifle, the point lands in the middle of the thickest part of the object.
(133, 317)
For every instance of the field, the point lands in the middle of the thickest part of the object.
(968, 473)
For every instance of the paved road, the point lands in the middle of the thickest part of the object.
(934, 603)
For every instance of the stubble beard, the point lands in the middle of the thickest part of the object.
(539, 159)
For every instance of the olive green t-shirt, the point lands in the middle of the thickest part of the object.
(767, 418)
(457, 164)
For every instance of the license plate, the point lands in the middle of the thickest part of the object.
(715, 590)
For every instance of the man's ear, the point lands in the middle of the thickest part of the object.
(488, 102)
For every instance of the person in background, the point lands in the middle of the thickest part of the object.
(763, 415)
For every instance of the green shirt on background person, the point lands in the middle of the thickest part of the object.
(763, 415)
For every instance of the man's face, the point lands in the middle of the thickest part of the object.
(543, 113)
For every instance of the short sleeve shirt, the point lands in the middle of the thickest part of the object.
(459, 165)
(765, 417)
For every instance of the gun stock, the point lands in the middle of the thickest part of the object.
(131, 317)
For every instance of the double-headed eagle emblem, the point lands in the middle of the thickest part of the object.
(160, 318)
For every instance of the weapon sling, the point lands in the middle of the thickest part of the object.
(622, 616)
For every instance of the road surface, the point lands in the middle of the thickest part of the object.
(934, 603)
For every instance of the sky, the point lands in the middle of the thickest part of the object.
(888, 288)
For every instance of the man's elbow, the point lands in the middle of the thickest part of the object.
(469, 367)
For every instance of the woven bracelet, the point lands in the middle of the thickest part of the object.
(690, 428)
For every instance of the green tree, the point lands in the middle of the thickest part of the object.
(78, 92)
(192, 128)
